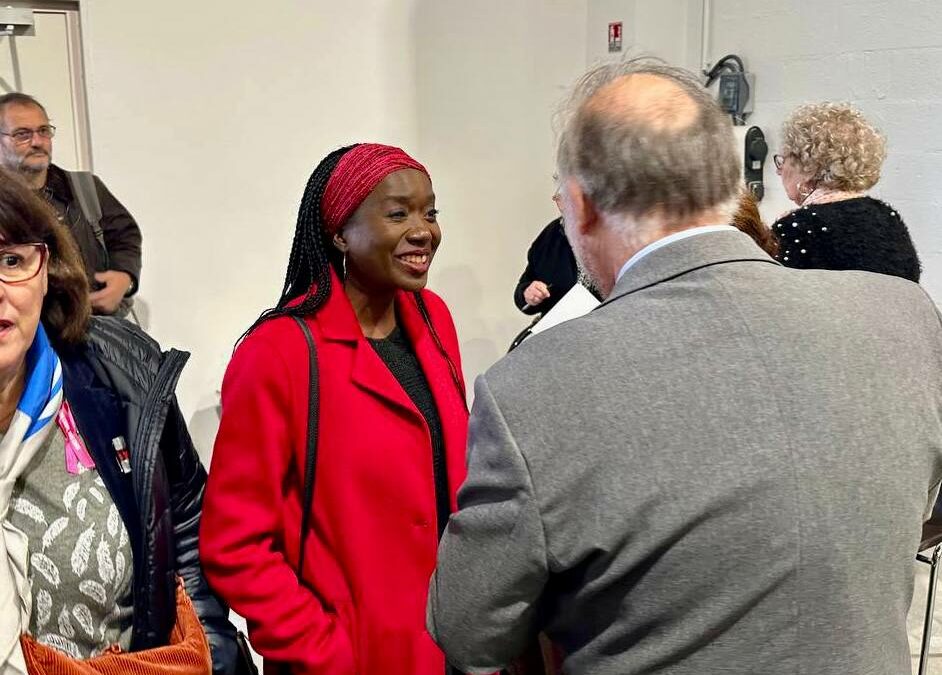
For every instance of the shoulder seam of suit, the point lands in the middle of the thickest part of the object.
(678, 275)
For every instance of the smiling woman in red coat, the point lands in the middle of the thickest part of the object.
(391, 433)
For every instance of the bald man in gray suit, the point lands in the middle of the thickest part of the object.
(722, 469)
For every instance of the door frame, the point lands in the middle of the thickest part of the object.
(80, 121)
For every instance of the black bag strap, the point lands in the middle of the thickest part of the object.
(82, 184)
(310, 458)
(245, 664)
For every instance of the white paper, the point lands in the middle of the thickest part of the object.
(577, 302)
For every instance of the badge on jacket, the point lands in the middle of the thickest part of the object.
(122, 453)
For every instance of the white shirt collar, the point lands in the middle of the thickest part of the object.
(669, 239)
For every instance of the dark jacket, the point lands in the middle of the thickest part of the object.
(550, 260)
(122, 236)
(120, 383)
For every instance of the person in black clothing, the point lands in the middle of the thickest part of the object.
(830, 157)
(551, 271)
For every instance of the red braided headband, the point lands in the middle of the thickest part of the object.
(357, 173)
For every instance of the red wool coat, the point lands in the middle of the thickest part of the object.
(373, 545)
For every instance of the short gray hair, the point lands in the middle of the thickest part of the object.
(629, 163)
(19, 98)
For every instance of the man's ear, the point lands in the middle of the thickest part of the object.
(339, 242)
(585, 217)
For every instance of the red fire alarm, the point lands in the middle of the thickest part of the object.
(614, 36)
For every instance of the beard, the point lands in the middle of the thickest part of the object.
(584, 279)
(32, 162)
(583, 274)
(588, 274)
(35, 162)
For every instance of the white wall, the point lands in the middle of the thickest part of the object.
(490, 76)
(669, 30)
(208, 117)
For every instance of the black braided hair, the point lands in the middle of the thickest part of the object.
(455, 375)
(312, 251)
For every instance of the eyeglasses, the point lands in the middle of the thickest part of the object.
(555, 196)
(23, 136)
(21, 262)
(779, 161)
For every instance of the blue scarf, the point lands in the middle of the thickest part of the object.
(39, 403)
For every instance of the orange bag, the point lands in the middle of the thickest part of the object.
(186, 654)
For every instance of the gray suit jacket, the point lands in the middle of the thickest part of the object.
(723, 469)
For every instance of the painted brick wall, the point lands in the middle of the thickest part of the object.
(885, 56)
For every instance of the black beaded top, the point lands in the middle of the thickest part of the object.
(853, 234)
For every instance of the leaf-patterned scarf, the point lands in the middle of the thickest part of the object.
(38, 405)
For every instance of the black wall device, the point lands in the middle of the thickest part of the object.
(736, 90)
(755, 153)
(735, 94)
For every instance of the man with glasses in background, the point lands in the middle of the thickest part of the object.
(106, 234)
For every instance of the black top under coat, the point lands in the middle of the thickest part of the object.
(852, 234)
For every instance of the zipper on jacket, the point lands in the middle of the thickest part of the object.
(154, 408)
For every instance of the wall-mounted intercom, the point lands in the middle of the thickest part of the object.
(756, 150)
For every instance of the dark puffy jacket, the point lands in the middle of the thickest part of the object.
(120, 383)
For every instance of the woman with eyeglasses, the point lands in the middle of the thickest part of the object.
(390, 433)
(831, 156)
(100, 486)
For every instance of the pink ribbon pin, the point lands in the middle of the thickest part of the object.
(77, 458)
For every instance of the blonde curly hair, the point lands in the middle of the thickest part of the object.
(835, 143)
